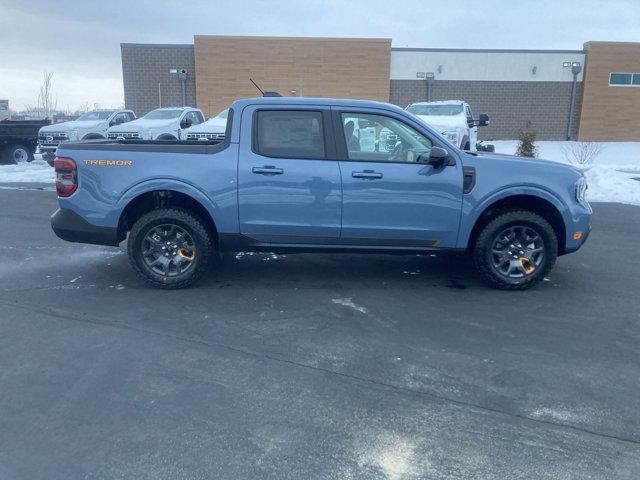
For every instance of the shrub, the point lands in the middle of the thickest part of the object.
(526, 141)
(581, 154)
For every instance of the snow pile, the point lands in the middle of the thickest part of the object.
(610, 179)
(37, 171)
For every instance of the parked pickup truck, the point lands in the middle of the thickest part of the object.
(212, 129)
(19, 139)
(290, 177)
(159, 124)
(454, 120)
(89, 126)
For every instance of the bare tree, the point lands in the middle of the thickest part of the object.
(46, 100)
(582, 154)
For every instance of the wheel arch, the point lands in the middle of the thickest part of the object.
(521, 201)
(93, 136)
(167, 136)
(152, 199)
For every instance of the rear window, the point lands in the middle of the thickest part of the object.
(289, 134)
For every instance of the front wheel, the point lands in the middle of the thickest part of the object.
(515, 250)
(170, 248)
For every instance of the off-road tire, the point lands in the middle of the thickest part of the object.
(482, 249)
(202, 237)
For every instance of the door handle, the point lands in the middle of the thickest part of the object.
(366, 174)
(267, 170)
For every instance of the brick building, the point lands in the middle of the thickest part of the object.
(511, 86)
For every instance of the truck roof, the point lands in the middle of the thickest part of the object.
(440, 102)
(334, 102)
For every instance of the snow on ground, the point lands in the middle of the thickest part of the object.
(37, 171)
(610, 179)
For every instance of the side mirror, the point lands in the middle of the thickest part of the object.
(438, 157)
(186, 123)
(483, 120)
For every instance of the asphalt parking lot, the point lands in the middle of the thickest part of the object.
(315, 366)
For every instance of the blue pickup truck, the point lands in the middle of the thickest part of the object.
(318, 175)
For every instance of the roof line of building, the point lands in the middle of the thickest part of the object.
(481, 50)
(158, 45)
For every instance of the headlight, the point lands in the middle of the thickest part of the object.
(581, 191)
(453, 137)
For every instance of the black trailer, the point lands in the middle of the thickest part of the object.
(19, 139)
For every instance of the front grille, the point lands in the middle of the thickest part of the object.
(123, 135)
(205, 136)
(52, 139)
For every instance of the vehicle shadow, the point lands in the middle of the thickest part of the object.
(257, 269)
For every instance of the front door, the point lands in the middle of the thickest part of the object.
(390, 196)
(288, 178)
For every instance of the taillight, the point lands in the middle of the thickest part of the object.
(66, 176)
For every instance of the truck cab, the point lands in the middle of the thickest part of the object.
(291, 176)
(169, 123)
(89, 126)
(453, 119)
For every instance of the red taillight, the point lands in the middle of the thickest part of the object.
(66, 176)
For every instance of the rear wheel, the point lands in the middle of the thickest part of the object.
(515, 250)
(170, 248)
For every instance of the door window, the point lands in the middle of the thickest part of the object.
(289, 134)
(120, 118)
(194, 117)
(380, 138)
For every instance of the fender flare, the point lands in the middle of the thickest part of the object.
(166, 183)
(464, 141)
(469, 217)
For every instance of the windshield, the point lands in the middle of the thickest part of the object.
(223, 114)
(97, 115)
(435, 110)
(162, 114)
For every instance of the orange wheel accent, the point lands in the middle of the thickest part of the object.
(183, 253)
(528, 266)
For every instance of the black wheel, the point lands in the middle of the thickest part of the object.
(170, 248)
(17, 154)
(515, 250)
(166, 136)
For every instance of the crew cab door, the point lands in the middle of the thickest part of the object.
(289, 188)
(390, 196)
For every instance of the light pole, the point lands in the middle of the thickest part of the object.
(576, 68)
(430, 77)
(182, 75)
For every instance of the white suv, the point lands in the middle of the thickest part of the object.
(159, 124)
(454, 120)
(212, 129)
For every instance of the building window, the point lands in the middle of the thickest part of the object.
(620, 79)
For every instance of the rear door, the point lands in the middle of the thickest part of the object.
(289, 185)
(390, 196)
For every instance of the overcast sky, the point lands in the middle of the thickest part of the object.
(79, 40)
